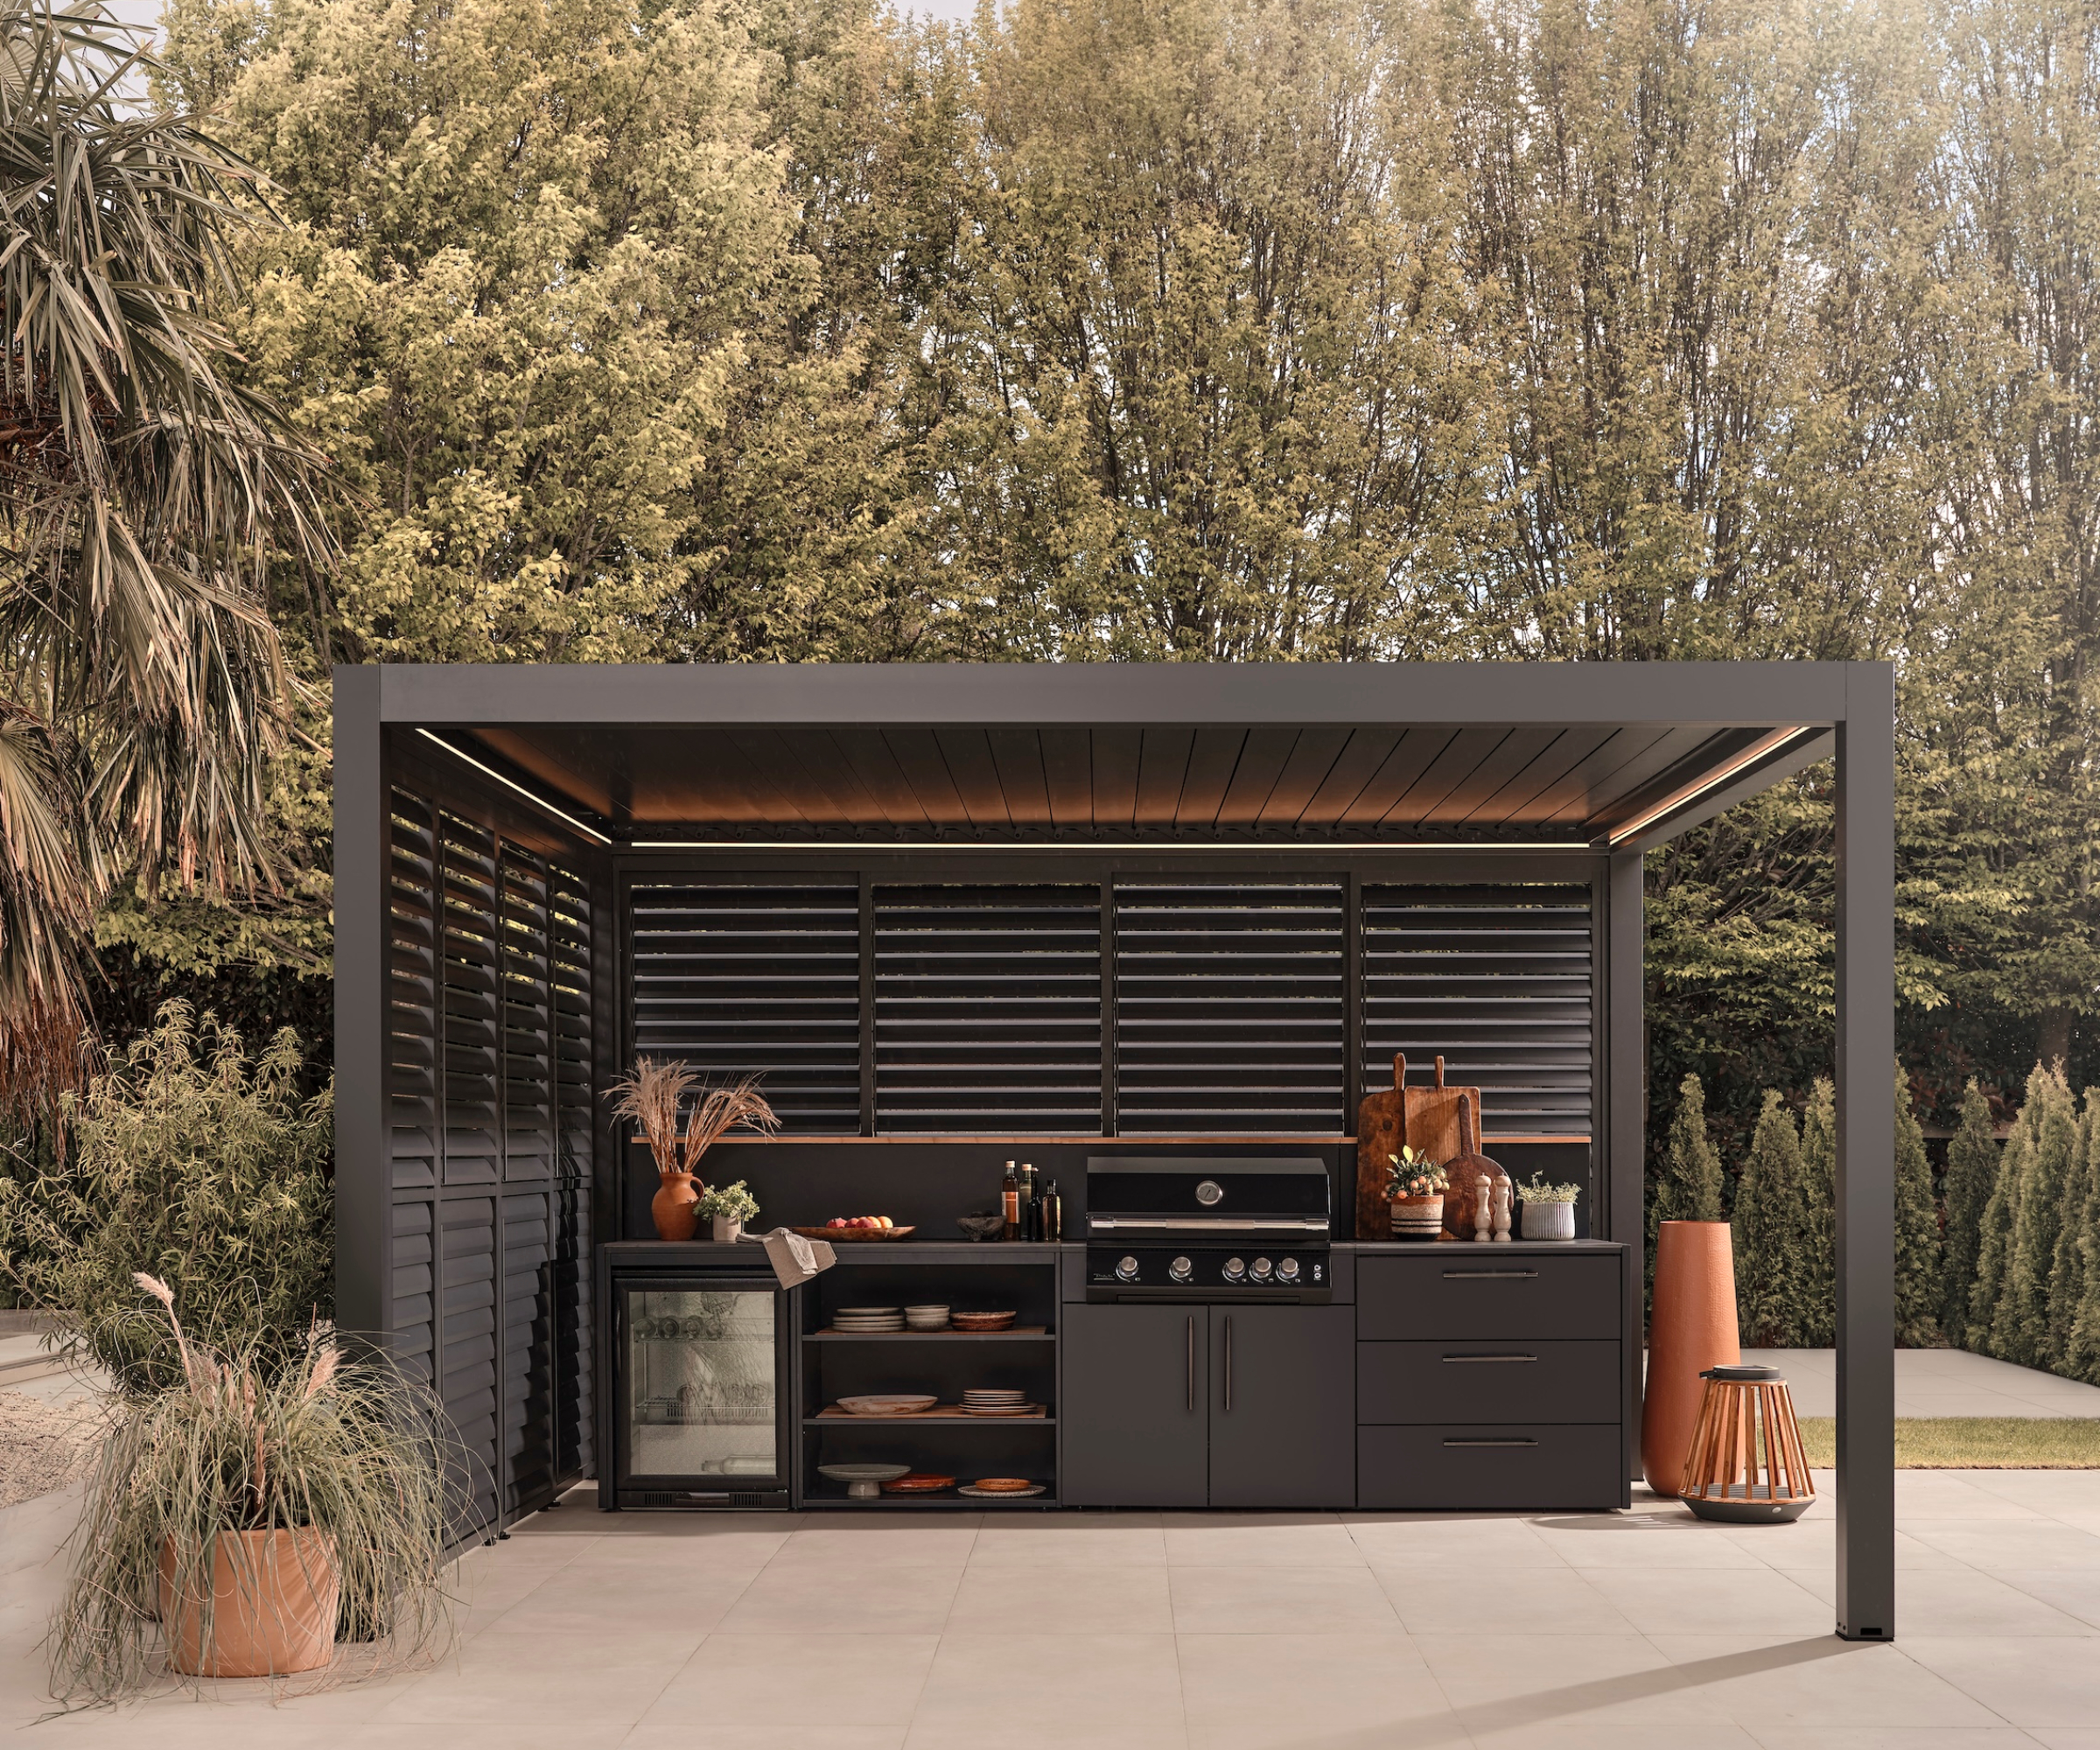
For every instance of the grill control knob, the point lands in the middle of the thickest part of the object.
(1260, 1272)
(1287, 1271)
(1235, 1269)
(1126, 1269)
(1181, 1270)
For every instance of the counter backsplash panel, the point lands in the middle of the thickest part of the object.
(927, 1182)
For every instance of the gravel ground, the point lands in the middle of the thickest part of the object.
(44, 1446)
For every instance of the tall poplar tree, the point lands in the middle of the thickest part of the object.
(1971, 1175)
(1917, 1231)
(1815, 1324)
(2020, 1324)
(1772, 1228)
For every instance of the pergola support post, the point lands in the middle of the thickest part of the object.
(1866, 1262)
(363, 1228)
(1625, 1135)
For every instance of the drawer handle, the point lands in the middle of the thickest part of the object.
(1453, 1360)
(1486, 1275)
(1491, 1443)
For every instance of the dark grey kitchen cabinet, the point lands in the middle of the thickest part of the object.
(1283, 1406)
(1133, 1407)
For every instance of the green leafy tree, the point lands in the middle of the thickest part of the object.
(1815, 1324)
(2067, 1274)
(1918, 1296)
(1971, 1177)
(1994, 1242)
(1773, 1231)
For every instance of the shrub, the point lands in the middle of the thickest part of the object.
(1917, 1231)
(1773, 1227)
(2039, 1176)
(189, 1163)
(1972, 1174)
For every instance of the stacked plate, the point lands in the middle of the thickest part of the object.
(981, 1321)
(868, 1319)
(986, 1400)
(925, 1317)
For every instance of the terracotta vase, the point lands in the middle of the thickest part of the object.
(273, 1604)
(676, 1208)
(1691, 1328)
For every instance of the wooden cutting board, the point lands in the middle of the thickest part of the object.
(1425, 1118)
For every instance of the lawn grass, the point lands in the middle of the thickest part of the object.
(1978, 1443)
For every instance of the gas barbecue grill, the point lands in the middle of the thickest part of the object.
(1208, 1230)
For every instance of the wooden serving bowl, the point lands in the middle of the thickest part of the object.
(838, 1235)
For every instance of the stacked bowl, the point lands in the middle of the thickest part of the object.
(925, 1317)
(863, 1320)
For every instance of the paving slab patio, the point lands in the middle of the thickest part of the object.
(1937, 1383)
(1643, 1630)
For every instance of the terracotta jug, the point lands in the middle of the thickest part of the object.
(676, 1208)
(1692, 1328)
(274, 1596)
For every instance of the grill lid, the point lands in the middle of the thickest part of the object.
(1139, 1196)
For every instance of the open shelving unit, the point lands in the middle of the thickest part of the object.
(837, 1364)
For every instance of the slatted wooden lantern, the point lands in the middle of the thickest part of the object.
(1746, 1465)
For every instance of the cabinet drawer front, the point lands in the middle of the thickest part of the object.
(1400, 1299)
(1468, 1379)
(1514, 1468)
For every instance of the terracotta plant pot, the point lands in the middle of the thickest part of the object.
(676, 1208)
(1692, 1328)
(1417, 1218)
(273, 1605)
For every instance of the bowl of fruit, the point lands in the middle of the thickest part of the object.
(857, 1227)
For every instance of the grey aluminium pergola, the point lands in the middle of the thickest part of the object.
(1565, 769)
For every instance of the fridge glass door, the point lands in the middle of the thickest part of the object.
(701, 1382)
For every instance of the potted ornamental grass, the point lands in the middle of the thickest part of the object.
(1415, 1189)
(247, 1519)
(653, 1095)
(1548, 1209)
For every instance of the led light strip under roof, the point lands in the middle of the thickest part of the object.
(1691, 793)
(1210, 848)
(536, 800)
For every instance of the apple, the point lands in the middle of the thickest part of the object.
(836, 1222)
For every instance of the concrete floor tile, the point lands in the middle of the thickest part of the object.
(2024, 1682)
(539, 1680)
(1096, 1689)
(1248, 1540)
(898, 1540)
(838, 1598)
(1591, 1735)
(1469, 1543)
(1495, 1600)
(1278, 1600)
(1252, 1692)
(1500, 1682)
(1058, 1602)
(1069, 1541)
(1810, 1545)
(1925, 1496)
(1758, 1600)
(2067, 1738)
(2075, 1592)
(2031, 1542)
(761, 1682)
(699, 1731)
(1665, 1536)
(1892, 1737)
(595, 1603)
(1963, 1601)
(1763, 1681)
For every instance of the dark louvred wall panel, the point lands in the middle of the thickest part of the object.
(569, 958)
(987, 1009)
(736, 979)
(1230, 1007)
(1499, 980)
(491, 1091)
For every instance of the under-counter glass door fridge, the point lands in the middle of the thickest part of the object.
(702, 1387)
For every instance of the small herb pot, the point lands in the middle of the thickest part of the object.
(1549, 1221)
(1418, 1218)
(727, 1229)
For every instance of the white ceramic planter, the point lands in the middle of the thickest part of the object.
(728, 1230)
(1549, 1221)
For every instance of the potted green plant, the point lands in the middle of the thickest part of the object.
(1415, 1189)
(651, 1094)
(244, 1520)
(1548, 1209)
(727, 1207)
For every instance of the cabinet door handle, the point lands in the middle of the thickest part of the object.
(1228, 1361)
(1456, 1360)
(1486, 1275)
(1491, 1443)
(1192, 1363)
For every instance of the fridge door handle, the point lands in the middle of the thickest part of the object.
(1228, 1361)
(1192, 1363)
